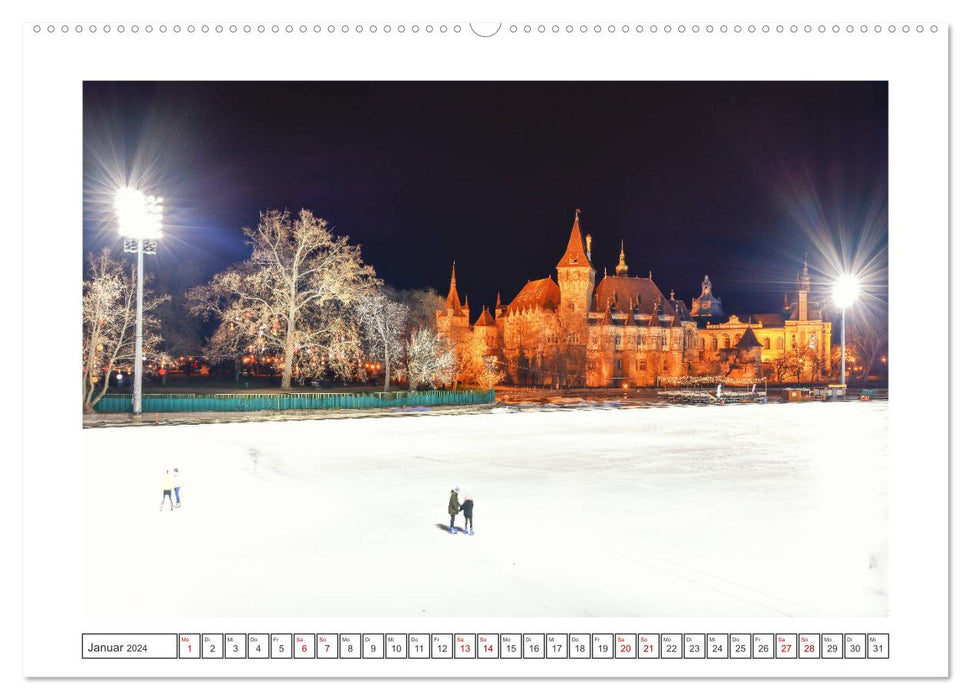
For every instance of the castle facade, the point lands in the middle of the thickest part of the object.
(622, 331)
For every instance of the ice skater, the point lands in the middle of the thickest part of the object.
(453, 509)
(467, 512)
(177, 482)
(167, 484)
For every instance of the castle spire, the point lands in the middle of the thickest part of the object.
(622, 264)
(452, 300)
(574, 256)
(804, 277)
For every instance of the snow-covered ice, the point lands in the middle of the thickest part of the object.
(752, 510)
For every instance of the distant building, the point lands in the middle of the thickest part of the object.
(795, 343)
(622, 331)
(707, 304)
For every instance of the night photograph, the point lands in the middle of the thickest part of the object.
(617, 307)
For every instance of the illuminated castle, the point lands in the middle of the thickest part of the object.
(622, 331)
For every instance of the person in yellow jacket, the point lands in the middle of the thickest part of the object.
(167, 484)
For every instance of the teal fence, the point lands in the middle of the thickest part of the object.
(177, 403)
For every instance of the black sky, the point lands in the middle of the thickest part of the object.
(724, 179)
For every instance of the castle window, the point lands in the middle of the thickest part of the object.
(767, 342)
(595, 341)
(664, 341)
(619, 365)
(812, 341)
(571, 338)
(701, 343)
(793, 340)
(591, 364)
(640, 340)
(617, 341)
(737, 338)
(642, 365)
(573, 306)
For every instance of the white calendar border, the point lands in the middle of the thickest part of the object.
(53, 68)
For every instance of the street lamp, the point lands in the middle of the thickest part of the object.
(845, 291)
(140, 224)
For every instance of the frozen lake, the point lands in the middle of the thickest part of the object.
(773, 510)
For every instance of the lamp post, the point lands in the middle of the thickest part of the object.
(845, 291)
(140, 224)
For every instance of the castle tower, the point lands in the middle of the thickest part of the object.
(802, 282)
(621, 268)
(453, 320)
(575, 276)
(452, 302)
(706, 304)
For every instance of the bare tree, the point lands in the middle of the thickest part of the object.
(108, 323)
(382, 323)
(422, 305)
(869, 344)
(431, 362)
(788, 364)
(295, 295)
(815, 363)
(491, 373)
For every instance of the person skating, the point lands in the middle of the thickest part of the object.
(177, 482)
(467, 512)
(453, 509)
(167, 483)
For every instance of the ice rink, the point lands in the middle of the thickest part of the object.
(746, 510)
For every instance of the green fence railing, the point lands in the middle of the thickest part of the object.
(178, 403)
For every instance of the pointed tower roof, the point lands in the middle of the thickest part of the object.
(630, 320)
(622, 263)
(465, 306)
(452, 300)
(575, 256)
(485, 318)
(803, 278)
(675, 320)
(748, 340)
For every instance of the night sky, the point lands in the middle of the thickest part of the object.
(734, 180)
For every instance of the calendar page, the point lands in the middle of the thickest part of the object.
(442, 348)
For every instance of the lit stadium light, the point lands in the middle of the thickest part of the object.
(140, 224)
(139, 215)
(846, 290)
